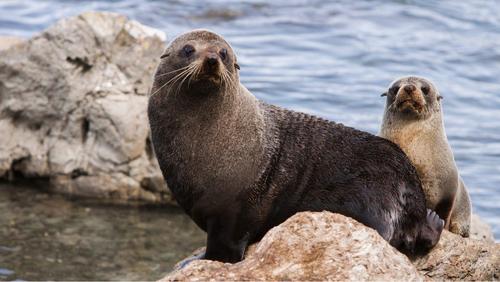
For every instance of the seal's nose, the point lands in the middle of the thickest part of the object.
(409, 88)
(211, 59)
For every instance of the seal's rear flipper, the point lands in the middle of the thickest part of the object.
(430, 233)
(435, 221)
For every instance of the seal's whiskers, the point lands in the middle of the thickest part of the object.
(185, 70)
(177, 70)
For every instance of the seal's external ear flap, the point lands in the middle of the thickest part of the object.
(236, 66)
(440, 97)
(383, 94)
(164, 55)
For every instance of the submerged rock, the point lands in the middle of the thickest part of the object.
(73, 105)
(327, 246)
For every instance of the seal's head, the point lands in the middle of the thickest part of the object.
(412, 97)
(199, 62)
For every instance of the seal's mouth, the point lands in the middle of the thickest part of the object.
(208, 77)
(214, 78)
(409, 105)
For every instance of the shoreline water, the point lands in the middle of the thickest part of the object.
(95, 240)
(359, 62)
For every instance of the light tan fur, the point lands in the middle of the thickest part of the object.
(420, 133)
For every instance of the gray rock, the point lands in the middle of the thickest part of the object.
(73, 101)
(326, 246)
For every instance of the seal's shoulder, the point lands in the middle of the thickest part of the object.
(291, 118)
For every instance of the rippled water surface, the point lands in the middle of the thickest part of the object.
(334, 59)
(50, 237)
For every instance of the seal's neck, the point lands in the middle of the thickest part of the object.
(394, 125)
(420, 139)
(218, 139)
(223, 111)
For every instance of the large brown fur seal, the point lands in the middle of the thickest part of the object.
(413, 119)
(238, 166)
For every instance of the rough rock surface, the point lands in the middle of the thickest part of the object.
(9, 41)
(326, 246)
(481, 230)
(73, 108)
(311, 246)
(457, 258)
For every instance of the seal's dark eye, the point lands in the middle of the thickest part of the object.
(188, 50)
(425, 90)
(223, 53)
(394, 89)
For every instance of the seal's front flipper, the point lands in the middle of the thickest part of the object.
(460, 219)
(221, 245)
(430, 233)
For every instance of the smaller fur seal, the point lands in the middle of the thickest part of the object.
(413, 119)
(239, 166)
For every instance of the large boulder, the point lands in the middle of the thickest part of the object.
(311, 246)
(326, 246)
(73, 105)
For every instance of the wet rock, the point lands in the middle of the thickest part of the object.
(73, 100)
(326, 246)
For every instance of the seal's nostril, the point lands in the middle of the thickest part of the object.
(211, 59)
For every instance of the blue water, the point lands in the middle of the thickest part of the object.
(334, 59)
